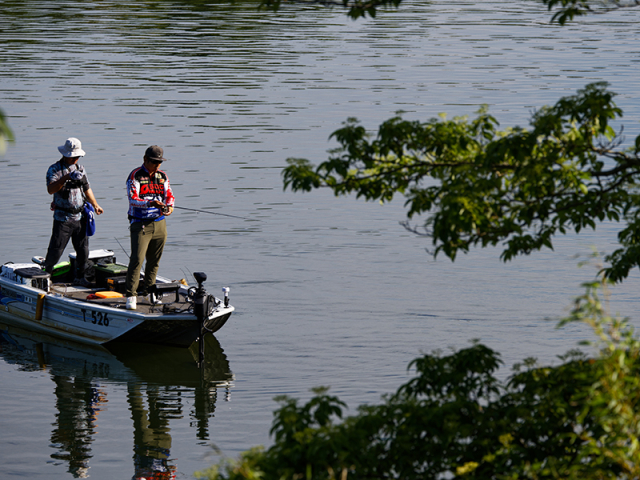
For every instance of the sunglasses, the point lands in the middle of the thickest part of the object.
(156, 162)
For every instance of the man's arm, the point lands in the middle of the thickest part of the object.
(169, 199)
(57, 185)
(92, 200)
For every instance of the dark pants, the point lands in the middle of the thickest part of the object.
(60, 235)
(147, 243)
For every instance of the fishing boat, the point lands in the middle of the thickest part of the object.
(174, 313)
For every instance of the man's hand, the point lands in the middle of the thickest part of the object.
(166, 209)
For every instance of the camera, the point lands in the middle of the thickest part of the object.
(73, 184)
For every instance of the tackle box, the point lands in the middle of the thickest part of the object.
(117, 284)
(96, 257)
(105, 271)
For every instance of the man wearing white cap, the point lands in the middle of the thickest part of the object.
(67, 182)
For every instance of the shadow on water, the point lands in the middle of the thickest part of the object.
(158, 381)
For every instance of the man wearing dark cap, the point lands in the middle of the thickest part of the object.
(67, 182)
(150, 201)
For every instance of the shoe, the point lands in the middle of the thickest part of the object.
(81, 282)
(131, 303)
(153, 300)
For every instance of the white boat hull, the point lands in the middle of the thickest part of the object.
(73, 317)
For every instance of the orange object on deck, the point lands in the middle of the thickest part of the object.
(108, 294)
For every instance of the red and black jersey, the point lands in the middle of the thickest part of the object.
(143, 188)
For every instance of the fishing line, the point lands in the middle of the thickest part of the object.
(212, 213)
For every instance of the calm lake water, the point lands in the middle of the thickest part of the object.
(328, 291)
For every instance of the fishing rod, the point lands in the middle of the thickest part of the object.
(122, 247)
(212, 213)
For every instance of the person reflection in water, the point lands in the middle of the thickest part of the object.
(79, 402)
(153, 403)
(151, 437)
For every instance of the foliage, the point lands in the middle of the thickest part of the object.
(478, 185)
(6, 135)
(565, 10)
(455, 419)
(568, 9)
(482, 186)
(354, 8)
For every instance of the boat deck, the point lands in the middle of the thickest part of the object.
(169, 304)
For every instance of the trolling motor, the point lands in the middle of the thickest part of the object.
(200, 296)
(203, 306)
(201, 310)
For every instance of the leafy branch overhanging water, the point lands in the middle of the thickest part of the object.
(456, 419)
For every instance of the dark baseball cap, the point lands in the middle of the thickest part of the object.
(154, 153)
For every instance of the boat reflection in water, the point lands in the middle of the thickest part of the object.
(156, 378)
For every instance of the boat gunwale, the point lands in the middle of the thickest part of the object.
(60, 297)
